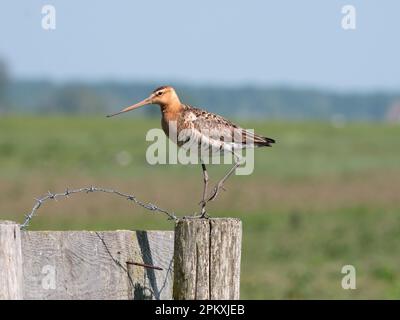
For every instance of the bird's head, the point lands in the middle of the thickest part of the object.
(163, 96)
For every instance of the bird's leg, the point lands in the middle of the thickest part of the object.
(205, 180)
(220, 184)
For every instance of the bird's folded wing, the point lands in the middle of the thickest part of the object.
(201, 124)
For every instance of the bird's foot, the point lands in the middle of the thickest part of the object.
(204, 215)
(204, 212)
(197, 216)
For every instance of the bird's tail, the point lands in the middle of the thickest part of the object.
(256, 140)
(263, 141)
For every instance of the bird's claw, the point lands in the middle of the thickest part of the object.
(197, 216)
(203, 209)
(204, 215)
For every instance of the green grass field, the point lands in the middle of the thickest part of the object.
(321, 198)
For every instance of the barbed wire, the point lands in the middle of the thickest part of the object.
(68, 192)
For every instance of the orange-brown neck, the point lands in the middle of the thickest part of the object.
(170, 113)
(171, 108)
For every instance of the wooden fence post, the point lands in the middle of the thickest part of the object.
(207, 259)
(10, 261)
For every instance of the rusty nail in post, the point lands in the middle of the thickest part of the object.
(144, 265)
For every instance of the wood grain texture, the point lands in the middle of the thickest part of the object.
(225, 255)
(93, 265)
(191, 274)
(207, 259)
(10, 261)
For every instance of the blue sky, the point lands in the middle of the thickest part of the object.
(279, 42)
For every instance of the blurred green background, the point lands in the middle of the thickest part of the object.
(324, 196)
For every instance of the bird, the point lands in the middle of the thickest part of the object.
(211, 133)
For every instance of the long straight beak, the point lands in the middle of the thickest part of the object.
(135, 106)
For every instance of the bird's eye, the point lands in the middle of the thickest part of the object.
(159, 93)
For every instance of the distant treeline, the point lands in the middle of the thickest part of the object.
(42, 97)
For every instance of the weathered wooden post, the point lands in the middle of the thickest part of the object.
(207, 259)
(11, 286)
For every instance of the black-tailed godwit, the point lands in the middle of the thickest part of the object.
(183, 123)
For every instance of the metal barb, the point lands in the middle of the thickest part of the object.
(68, 192)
